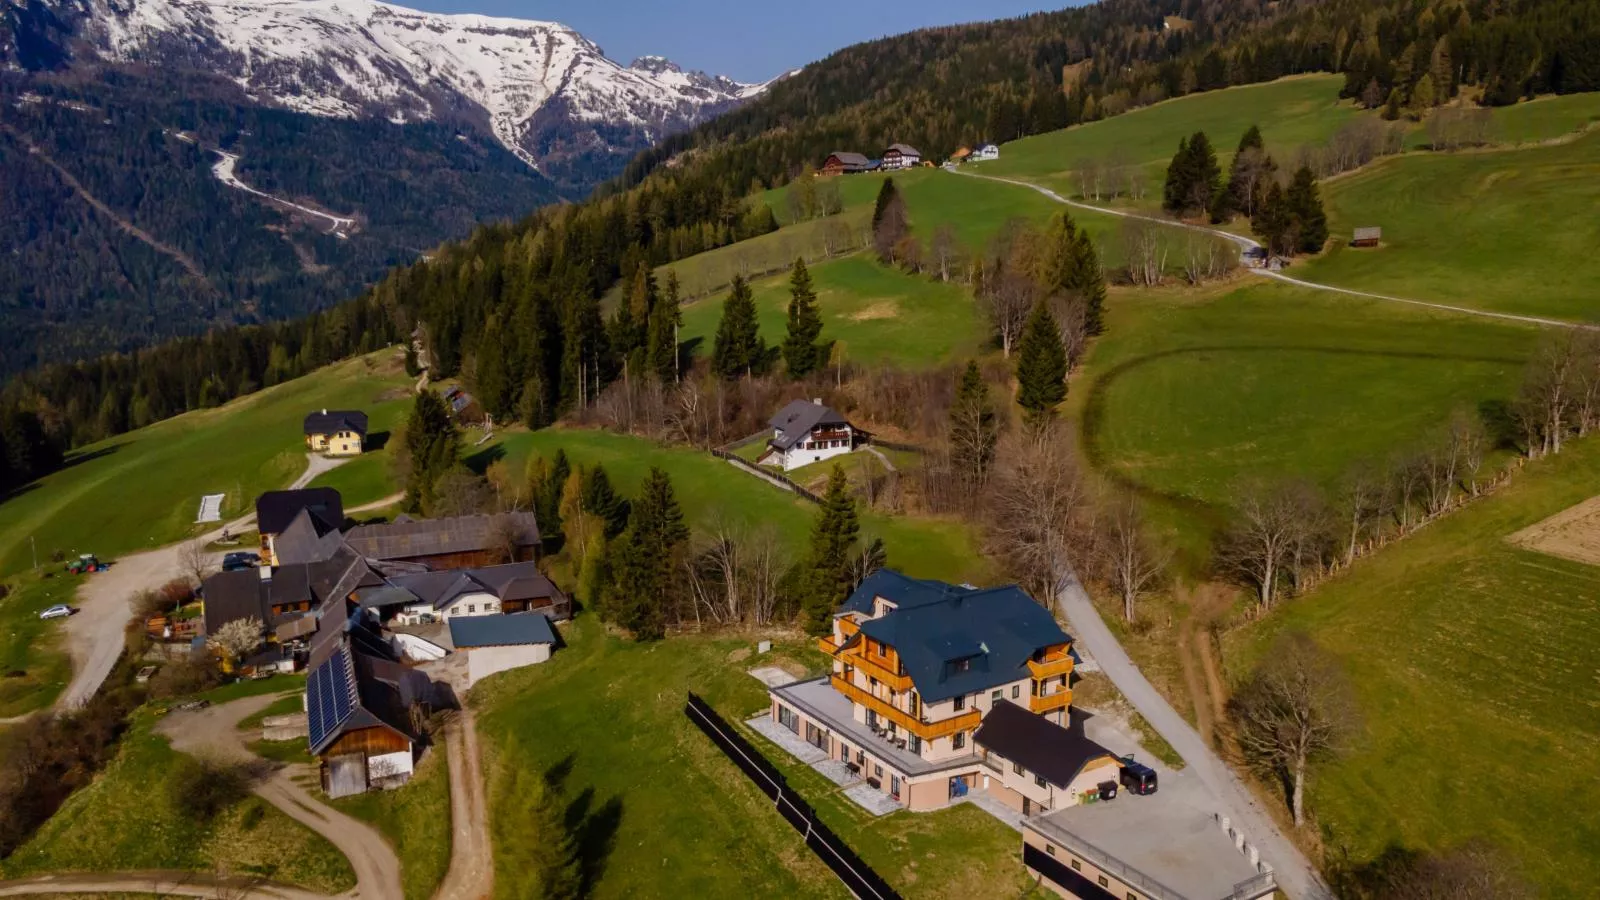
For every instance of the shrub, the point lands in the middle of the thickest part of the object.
(202, 788)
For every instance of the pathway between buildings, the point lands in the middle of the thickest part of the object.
(105, 599)
(1295, 874)
(214, 731)
(1246, 242)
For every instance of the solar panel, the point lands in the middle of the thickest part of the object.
(330, 697)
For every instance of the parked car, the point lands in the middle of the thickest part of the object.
(240, 559)
(1138, 777)
(59, 611)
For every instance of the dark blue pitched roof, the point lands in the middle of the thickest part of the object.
(501, 630)
(994, 630)
(901, 590)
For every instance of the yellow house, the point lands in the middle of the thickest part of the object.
(339, 432)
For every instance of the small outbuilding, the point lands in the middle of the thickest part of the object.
(502, 642)
(1367, 237)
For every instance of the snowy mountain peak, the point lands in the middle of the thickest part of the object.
(540, 87)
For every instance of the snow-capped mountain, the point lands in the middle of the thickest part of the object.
(544, 90)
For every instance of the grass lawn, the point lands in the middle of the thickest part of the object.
(1475, 664)
(713, 491)
(34, 670)
(416, 821)
(1292, 112)
(1512, 231)
(142, 489)
(1191, 391)
(663, 814)
(1545, 118)
(873, 314)
(362, 480)
(125, 820)
(712, 271)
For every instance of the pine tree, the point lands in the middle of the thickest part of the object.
(600, 499)
(1305, 207)
(557, 857)
(1089, 282)
(432, 445)
(827, 567)
(1207, 179)
(738, 349)
(974, 428)
(662, 340)
(1180, 179)
(1273, 222)
(647, 560)
(801, 352)
(1041, 366)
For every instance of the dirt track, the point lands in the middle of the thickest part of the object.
(159, 883)
(215, 732)
(471, 874)
(1573, 533)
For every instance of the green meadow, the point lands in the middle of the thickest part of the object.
(658, 811)
(35, 667)
(1474, 661)
(1512, 231)
(713, 492)
(142, 489)
(874, 315)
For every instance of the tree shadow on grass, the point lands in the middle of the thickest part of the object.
(594, 829)
(480, 461)
(375, 441)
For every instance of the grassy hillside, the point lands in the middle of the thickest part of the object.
(36, 669)
(1474, 661)
(1513, 231)
(142, 489)
(1189, 392)
(875, 315)
(661, 813)
(711, 492)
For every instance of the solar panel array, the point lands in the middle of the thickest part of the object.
(330, 696)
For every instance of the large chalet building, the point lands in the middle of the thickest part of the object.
(937, 690)
(805, 431)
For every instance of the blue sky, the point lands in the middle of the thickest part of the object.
(749, 40)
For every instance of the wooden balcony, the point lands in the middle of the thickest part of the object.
(1051, 703)
(925, 730)
(1050, 668)
(826, 645)
(869, 665)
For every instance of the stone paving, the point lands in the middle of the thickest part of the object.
(864, 795)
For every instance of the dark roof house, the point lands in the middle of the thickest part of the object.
(965, 641)
(276, 509)
(277, 596)
(471, 540)
(518, 585)
(500, 631)
(903, 150)
(1044, 748)
(799, 418)
(845, 161)
(337, 420)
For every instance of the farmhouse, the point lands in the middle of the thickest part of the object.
(453, 543)
(467, 593)
(282, 595)
(918, 666)
(961, 155)
(1367, 237)
(901, 156)
(841, 162)
(805, 432)
(499, 643)
(275, 510)
(365, 711)
(986, 152)
(341, 432)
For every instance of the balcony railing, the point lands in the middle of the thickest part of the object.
(1051, 702)
(869, 665)
(1050, 667)
(826, 645)
(925, 730)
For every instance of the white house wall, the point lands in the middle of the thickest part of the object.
(485, 661)
(473, 605)
(796, 458)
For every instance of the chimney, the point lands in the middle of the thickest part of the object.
(817, 400)
(266, 574)
(324, 410)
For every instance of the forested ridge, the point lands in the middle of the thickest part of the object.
(516, 308)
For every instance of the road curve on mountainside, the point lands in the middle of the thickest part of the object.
(1246, 242)
(338, 226)
(159, 883)
(214, 731)
(1296, 876)
(105, 599)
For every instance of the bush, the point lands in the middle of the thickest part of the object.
(202, 788)
(186, 676)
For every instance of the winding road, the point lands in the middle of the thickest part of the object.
(1247, 242)
(339, 226)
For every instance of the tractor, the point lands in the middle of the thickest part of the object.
(85, 563)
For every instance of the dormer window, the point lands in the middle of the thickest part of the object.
(958, 666)
(883, 649)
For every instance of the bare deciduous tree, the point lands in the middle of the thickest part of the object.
(1361, 499)
(195, 561)
(1144, 250)
(944, 251)
(1276, 534)
(1132, 562)
(1038, 510)
(1006, 298)
(1296, 709)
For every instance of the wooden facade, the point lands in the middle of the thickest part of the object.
(374, 741)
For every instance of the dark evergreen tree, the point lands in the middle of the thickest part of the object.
(826, 578)
(1274, 222)
(665, 320)
(1041, 366)
(646, 560)
(974, 427)
(1305, 206)
(1180, 177)
(1089, 282)
(600, 499)
(431, 448)
(1236, 196)
(738, 349)
(413, 366)
(802, 353)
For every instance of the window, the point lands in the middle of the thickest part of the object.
(877, 770)
(1039, 780)
(1103, 881)
(1077, 866)
(472, 608)
(960, 702)
(1016, 691)
(961, 665)
(788, 719)
(490, 607)
(883, 649)
(1132, 896)
(914, 744)
(958, 740)
(1016, 768)
(996, 697)
(1050, 849)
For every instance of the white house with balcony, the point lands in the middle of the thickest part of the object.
(805, 432)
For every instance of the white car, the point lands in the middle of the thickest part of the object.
(59, 611)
